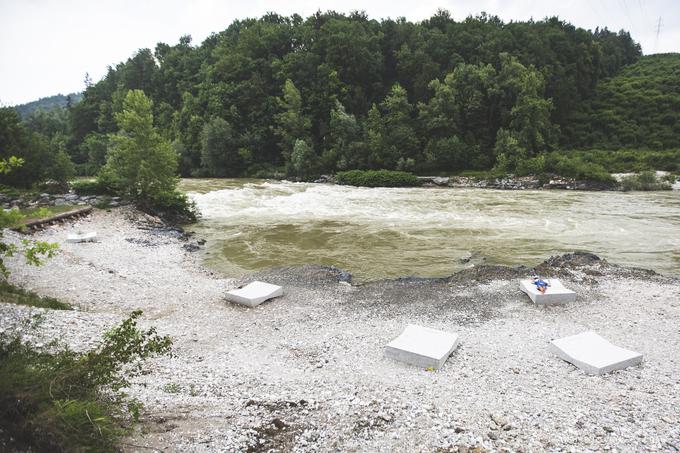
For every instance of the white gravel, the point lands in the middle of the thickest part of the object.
(306, 372)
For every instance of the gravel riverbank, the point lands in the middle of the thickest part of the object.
(306, 372)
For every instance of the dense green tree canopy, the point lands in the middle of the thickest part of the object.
(351, 92)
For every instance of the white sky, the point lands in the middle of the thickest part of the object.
(47, 46)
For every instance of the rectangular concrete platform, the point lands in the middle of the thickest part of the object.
(81, 237)
(422, 346)
(593, 354)
(254, 293)
(555, 294)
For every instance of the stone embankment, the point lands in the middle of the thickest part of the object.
(45, 199)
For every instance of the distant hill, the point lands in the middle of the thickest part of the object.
(47, 103)
(638, 108)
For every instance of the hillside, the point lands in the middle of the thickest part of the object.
(47, 103)
(638, 108)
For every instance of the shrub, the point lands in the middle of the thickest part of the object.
(646, 180)
(55, 399)
(90, 187)
(174, 206)
(377, 178)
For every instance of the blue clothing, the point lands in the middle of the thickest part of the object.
(541, 284)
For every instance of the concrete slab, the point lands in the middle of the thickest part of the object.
(555, 294)
(593, 354)
(254, 293)
(422, 346)
(82, 237)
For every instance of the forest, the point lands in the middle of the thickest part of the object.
(299, 97)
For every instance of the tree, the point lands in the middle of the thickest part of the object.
(219, 149)
(302, 160)
(140, 165)
(344, 140)
(292, 124)
(34, 251)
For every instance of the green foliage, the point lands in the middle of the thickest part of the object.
(293, 125)
(90, 187)
(627, 160)
(646, 181)
(33, 251)
(14, 295)
(363, 94)
(47, 104)
(637, 109)
(33, 149)
(220, 154)
(571, 165)
(56, 399)
(174, 206)
(302, 160)
(140, 165)
(377, 178)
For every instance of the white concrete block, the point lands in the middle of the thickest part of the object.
(593, 354)
(254, 293)
(555, 294)
(82, 237)
(422, 346)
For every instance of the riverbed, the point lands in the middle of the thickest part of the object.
(252, 225)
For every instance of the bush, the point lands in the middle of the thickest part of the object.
(575, 167)
(55, 399)
(90, 187)
(377, 178)
(175, 207)
(646, 180)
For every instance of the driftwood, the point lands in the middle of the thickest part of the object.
(36, 224)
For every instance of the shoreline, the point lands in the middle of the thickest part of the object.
(313, 359)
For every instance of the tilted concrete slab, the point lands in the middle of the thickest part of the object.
(555, 294)
(422, 346)
(593, 354)
(254, 293)
(81, 237)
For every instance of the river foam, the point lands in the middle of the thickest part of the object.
(389, 232)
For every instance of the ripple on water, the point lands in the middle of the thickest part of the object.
(376, 233)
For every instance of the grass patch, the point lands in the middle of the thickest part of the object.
(11, 294)
(377, 178)
(45, 212)
(56, 399)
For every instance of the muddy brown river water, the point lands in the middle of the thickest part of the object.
(381, 233)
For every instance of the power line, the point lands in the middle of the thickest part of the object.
(659, 25)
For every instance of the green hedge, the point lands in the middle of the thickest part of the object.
(90, 187)
(377, 178)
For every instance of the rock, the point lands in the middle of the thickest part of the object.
(345, 277)
(441, 181)
(498, 420)
(278, 423)
(191, 247)
(492, 435)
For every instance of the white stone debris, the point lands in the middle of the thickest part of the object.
(593, 354)
(422, 346)
(554, 294)
(82, 237)
(254, 293)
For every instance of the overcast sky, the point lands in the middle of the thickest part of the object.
(47, 46)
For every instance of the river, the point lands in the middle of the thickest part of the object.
(428, 232)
